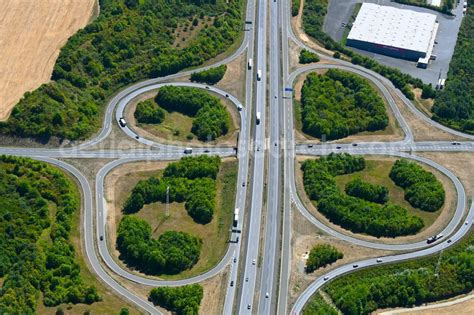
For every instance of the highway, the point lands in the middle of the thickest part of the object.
(258, 257)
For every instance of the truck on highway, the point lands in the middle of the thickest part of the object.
(259, 75)
(258, 118)
(188, 150)
(250, 64)
(434, 238)
(236, 217)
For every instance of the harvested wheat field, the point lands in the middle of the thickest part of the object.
(32, 33)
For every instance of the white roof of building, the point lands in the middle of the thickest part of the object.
(393, 27)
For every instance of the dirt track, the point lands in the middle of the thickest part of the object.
(31, 35)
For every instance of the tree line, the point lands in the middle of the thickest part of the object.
(171, 253)
(422, 188)
(321, 256)
(148, 112)
(209, 76)
(191, 180)
(367, 191)
(183, 300)
(406, 284)
(129, 41)
(338, 104)
(454, 105)
(37, 256)
(211, 118)
(314, 12)
(354, 214)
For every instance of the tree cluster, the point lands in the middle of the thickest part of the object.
(183, 300)
(209, 76)
(211, 118)
(171, 253)
(422, 188)
(454, 105)
(148, 112)
(321, 256)
(190, 180)
(338, 104)
(36, 255)
(314, 12)
(129, 41)
(367, 191)
(352, 213)
(407, 284)
(307, 56)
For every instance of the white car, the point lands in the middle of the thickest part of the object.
(253, 262)
(326, 278)
(379, 260)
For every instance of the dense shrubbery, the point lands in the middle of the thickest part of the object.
(321, 256)
(406, 284)
(171, 253)
(209, 76)
(191, 180)
(454, 105)
(338, 104)
(212, 119)
(183, 300)
(295, 7)
(446, 8)
(38, 205)
(367, 191)
(422, 189)
(148, 112)
(352, 213)
(314, 12)
(307, 56)
(318, 306)
(129, 41)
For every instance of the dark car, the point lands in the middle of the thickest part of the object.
(101, 238)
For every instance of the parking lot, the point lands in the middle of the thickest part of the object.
(339, 11)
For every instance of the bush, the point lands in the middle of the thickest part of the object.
(180, 300)
(321, 256)
(124, 44)
(171, 253)
(337, 55)
(209, 76)
(355, 214)
(422, 188)
(307, 56)
(318, 306)
(367, 191)
(338, 104)
(148, 112)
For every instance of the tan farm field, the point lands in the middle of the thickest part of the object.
(32, 33)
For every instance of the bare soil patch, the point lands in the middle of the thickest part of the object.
(31, 35)
(457, 306)
(234, 78)
(440, 218)
(214, 293)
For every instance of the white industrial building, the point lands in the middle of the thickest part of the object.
(394, 32)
